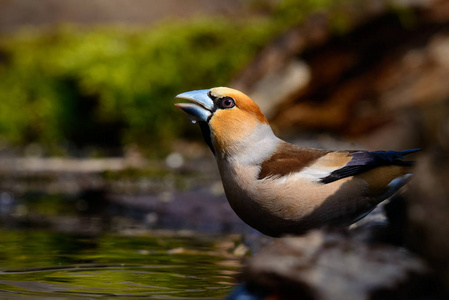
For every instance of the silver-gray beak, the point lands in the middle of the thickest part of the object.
(201, 108)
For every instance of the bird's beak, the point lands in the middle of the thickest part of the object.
(201, 108)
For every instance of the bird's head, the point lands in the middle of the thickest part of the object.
(226, 116)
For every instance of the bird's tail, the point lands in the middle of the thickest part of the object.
(407, 152)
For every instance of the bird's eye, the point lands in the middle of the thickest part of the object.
(226, 102)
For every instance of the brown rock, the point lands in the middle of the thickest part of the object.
(428, 213)
(323, 265)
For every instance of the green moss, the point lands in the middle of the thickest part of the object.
(293, 12)
(81, 85)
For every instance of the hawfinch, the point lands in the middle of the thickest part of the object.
(279, 188)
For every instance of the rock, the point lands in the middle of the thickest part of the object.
(428, 212)
(333, 265)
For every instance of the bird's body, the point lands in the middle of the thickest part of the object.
(279, 188)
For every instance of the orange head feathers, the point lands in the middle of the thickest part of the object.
(231, 115)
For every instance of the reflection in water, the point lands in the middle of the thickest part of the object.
(40, 264)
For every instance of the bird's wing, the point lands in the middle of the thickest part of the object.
(362, 161)
(327, 166)
(290, 159)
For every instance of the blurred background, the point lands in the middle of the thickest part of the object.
(90, 141)
(96, 78)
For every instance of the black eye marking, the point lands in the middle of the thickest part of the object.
(225, 103)
(211, 96)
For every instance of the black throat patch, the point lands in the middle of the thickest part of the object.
(205, 130)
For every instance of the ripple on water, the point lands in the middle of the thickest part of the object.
(47, 265)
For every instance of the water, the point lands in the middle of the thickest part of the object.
(36, 264)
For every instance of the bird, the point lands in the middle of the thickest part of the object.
(279, 188)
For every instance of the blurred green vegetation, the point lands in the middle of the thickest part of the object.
(112, 86)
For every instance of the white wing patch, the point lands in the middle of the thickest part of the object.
(315, 173)
(311, 174)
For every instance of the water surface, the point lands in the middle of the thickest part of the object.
(37, 264)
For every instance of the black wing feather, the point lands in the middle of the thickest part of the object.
(363, 161)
